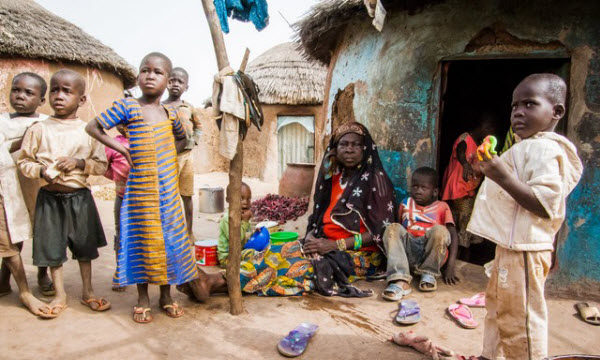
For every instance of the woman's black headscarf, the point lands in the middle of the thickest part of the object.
(369, 194)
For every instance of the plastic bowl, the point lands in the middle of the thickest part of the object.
(283, 237)
(259, 240)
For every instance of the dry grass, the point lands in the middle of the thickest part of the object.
(284, 76)
(28, 30)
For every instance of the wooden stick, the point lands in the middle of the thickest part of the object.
(235, 177)
(245, 60)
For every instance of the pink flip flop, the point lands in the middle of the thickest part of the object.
(462, 315)
(477, 300)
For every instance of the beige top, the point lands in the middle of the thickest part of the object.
(52, 138)
(15, 207)
(549, 164)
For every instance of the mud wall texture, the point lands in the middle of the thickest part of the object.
(260, 147)
(394, 79)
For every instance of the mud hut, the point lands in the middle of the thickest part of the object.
(34, 39)
(437, 64)
(291, 93)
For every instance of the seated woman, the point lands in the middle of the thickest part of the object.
(354, 201)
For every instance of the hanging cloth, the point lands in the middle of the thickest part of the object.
(255, 11)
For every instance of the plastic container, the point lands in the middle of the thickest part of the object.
(206, 252)
(259, 240)
(283, 237)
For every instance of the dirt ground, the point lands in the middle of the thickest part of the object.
(352, 328)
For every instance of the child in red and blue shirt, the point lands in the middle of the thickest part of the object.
(422, 239)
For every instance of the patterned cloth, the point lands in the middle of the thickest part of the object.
(418, 219)
(154, 242)
(281, 270)
(461, 211)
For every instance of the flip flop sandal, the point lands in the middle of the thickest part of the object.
(175, 307)
(409, 313)
(427, 279)
(397, 292)
(98, 301)
(295, 343)
(143, 311)
(52, 314)
(462, 315)
(48, 289)
(476, 301)
(589, 314)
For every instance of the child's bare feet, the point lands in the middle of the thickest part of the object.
(33, 304)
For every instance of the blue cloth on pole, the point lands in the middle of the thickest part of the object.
(255, 11)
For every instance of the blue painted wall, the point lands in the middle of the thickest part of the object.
(396, 93)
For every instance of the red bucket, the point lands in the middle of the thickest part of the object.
(206, 252)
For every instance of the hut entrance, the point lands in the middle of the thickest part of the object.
(296, 140)
(476, 89)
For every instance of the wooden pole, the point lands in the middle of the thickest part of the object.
(235, 177)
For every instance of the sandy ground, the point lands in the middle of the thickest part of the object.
(349, 328)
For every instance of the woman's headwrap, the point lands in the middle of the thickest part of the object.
(369, 195)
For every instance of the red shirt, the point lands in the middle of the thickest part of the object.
(118, 167)
(418, 219)
(332, 230)
(454, 186)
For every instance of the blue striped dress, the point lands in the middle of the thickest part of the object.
(155, 247)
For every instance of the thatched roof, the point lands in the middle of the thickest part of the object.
(284, 76)
(319, 30)
(28, 30)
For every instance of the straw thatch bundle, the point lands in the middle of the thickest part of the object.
(284, 76)
(28, 30)
(319, 29)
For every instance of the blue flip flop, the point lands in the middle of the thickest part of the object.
(409, 312)
(396, 292)
(295, 343)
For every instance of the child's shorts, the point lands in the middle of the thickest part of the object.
(66, 220)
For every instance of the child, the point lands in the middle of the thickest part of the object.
(28, 92)
(118, 170)
(421, 241)
(461, 178)
(177, 85)
(223, 245)
(58, 151)
(154, 244)
(520, 207)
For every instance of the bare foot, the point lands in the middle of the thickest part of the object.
(33, 304)
(57, 305)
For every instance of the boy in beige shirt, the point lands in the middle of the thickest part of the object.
(59, 151)
(520, 207)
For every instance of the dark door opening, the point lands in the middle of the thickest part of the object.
(472, 88)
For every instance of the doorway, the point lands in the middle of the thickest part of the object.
(295, 140)
(475, 88)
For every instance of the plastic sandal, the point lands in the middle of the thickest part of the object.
(427, 279)
(589, 314)
(144, 311)
(295, 343)
(462, 315)
(397, 292)
(409, 313)
(477, 300)
(52, 314)
(98, 301)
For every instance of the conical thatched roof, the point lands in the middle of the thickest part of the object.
(28, 30)
(284, 76)
(319, 29)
